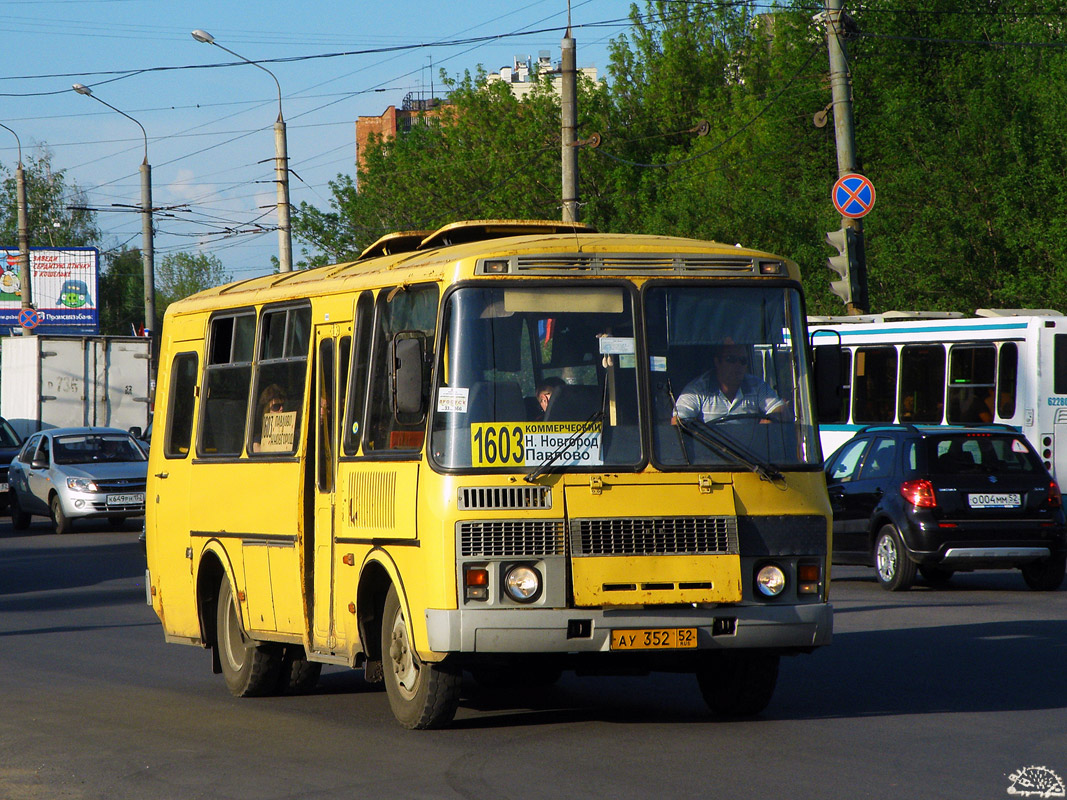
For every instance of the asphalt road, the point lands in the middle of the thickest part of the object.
(926, 694)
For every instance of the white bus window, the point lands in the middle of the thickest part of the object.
(874, 387)
(922, 384)
(971, 372)
(1007, 379)
(1059, 364)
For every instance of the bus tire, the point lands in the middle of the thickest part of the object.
(891, 563)
(737, 683)
(60, 521)
(298, 675)
(250, 669)
(421, 695)
(1045, 575)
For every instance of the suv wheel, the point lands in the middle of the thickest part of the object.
(895, 570)
(1045, 576)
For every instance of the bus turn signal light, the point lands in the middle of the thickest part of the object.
(477, 583)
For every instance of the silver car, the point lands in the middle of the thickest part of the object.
(77, 473)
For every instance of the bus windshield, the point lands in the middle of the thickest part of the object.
(532, 377)
(729, 378)
(526, 369)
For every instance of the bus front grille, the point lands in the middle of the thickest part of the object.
(510, 538)
(504, 497)
(654, 536)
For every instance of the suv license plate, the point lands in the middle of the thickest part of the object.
(654, 639)
(125, 499)
(987, 500)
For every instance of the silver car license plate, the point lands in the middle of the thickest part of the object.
(126, 499)
(991, 500)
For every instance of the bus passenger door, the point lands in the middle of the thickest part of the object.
(320, 550)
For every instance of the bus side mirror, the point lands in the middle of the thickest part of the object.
(409, 399)
(827, 362)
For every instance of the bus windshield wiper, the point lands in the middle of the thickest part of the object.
(542, 468)
(723, 446)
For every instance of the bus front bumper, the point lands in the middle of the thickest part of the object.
(531, 630)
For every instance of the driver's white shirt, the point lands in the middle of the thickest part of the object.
(703, 397)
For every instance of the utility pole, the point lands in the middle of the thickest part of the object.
(25, 286)
(851, 264)
(569, 109)
(281, 161)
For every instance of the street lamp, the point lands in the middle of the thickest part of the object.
(281, 161)
(25, 288)
(147, 251)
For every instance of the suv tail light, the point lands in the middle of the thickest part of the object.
(1054, 499)
(919, 493)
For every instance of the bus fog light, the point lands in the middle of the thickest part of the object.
(522, 583)
(770, 580)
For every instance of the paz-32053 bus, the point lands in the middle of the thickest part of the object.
(460, 453)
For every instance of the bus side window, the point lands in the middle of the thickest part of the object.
(227, 378)
(1007, 379)
(874, 388)
(402, 308)
(971, 372)
(281, 369)
(357, 391)
(922, 383)
(179, 428)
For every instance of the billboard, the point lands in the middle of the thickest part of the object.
(64, 284)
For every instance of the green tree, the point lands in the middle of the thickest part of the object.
(181, 274)
(122, 293)
(56, 209)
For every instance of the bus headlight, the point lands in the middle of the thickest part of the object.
(770, 580)
(522, 583)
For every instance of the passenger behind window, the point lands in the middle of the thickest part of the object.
(271, 401)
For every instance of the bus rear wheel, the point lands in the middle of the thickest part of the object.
(421, 695)
(250, 669)
(738, 684)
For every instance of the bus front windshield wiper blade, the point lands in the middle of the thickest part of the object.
(723, 446)
(543, 467)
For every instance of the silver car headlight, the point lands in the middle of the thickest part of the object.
(82, 485)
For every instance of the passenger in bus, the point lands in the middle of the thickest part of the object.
(727, 390)
(271, 401)
(544, 394)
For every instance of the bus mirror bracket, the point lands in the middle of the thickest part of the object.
(409, 355)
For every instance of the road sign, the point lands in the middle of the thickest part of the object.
(29, 318)
(853, 195)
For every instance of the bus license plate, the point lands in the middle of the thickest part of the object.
(654, 639)
(125, 499)
(989, 500)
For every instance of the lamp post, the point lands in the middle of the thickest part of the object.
(281, 161)
(25, 288)
(147, 250)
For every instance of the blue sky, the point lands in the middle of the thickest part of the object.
(210, 139)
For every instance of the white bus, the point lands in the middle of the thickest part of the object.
(1004, 366)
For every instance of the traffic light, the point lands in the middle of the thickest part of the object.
(844, 263)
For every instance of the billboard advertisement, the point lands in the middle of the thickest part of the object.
(64, 284)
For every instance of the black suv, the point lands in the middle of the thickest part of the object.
(945, 500)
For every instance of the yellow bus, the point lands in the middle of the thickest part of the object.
(462, 453)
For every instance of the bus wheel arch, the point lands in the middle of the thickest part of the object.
(374, 583)
(209, 578)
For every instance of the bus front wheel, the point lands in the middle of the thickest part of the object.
(421, 695)
(738, 684)
(250, 669)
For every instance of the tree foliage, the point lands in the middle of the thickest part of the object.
(182, 274)
(707, 131)
(122, 293)
(56, 215)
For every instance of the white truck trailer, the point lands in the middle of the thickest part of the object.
(64, 381)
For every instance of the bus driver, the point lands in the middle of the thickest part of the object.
(727, 390)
